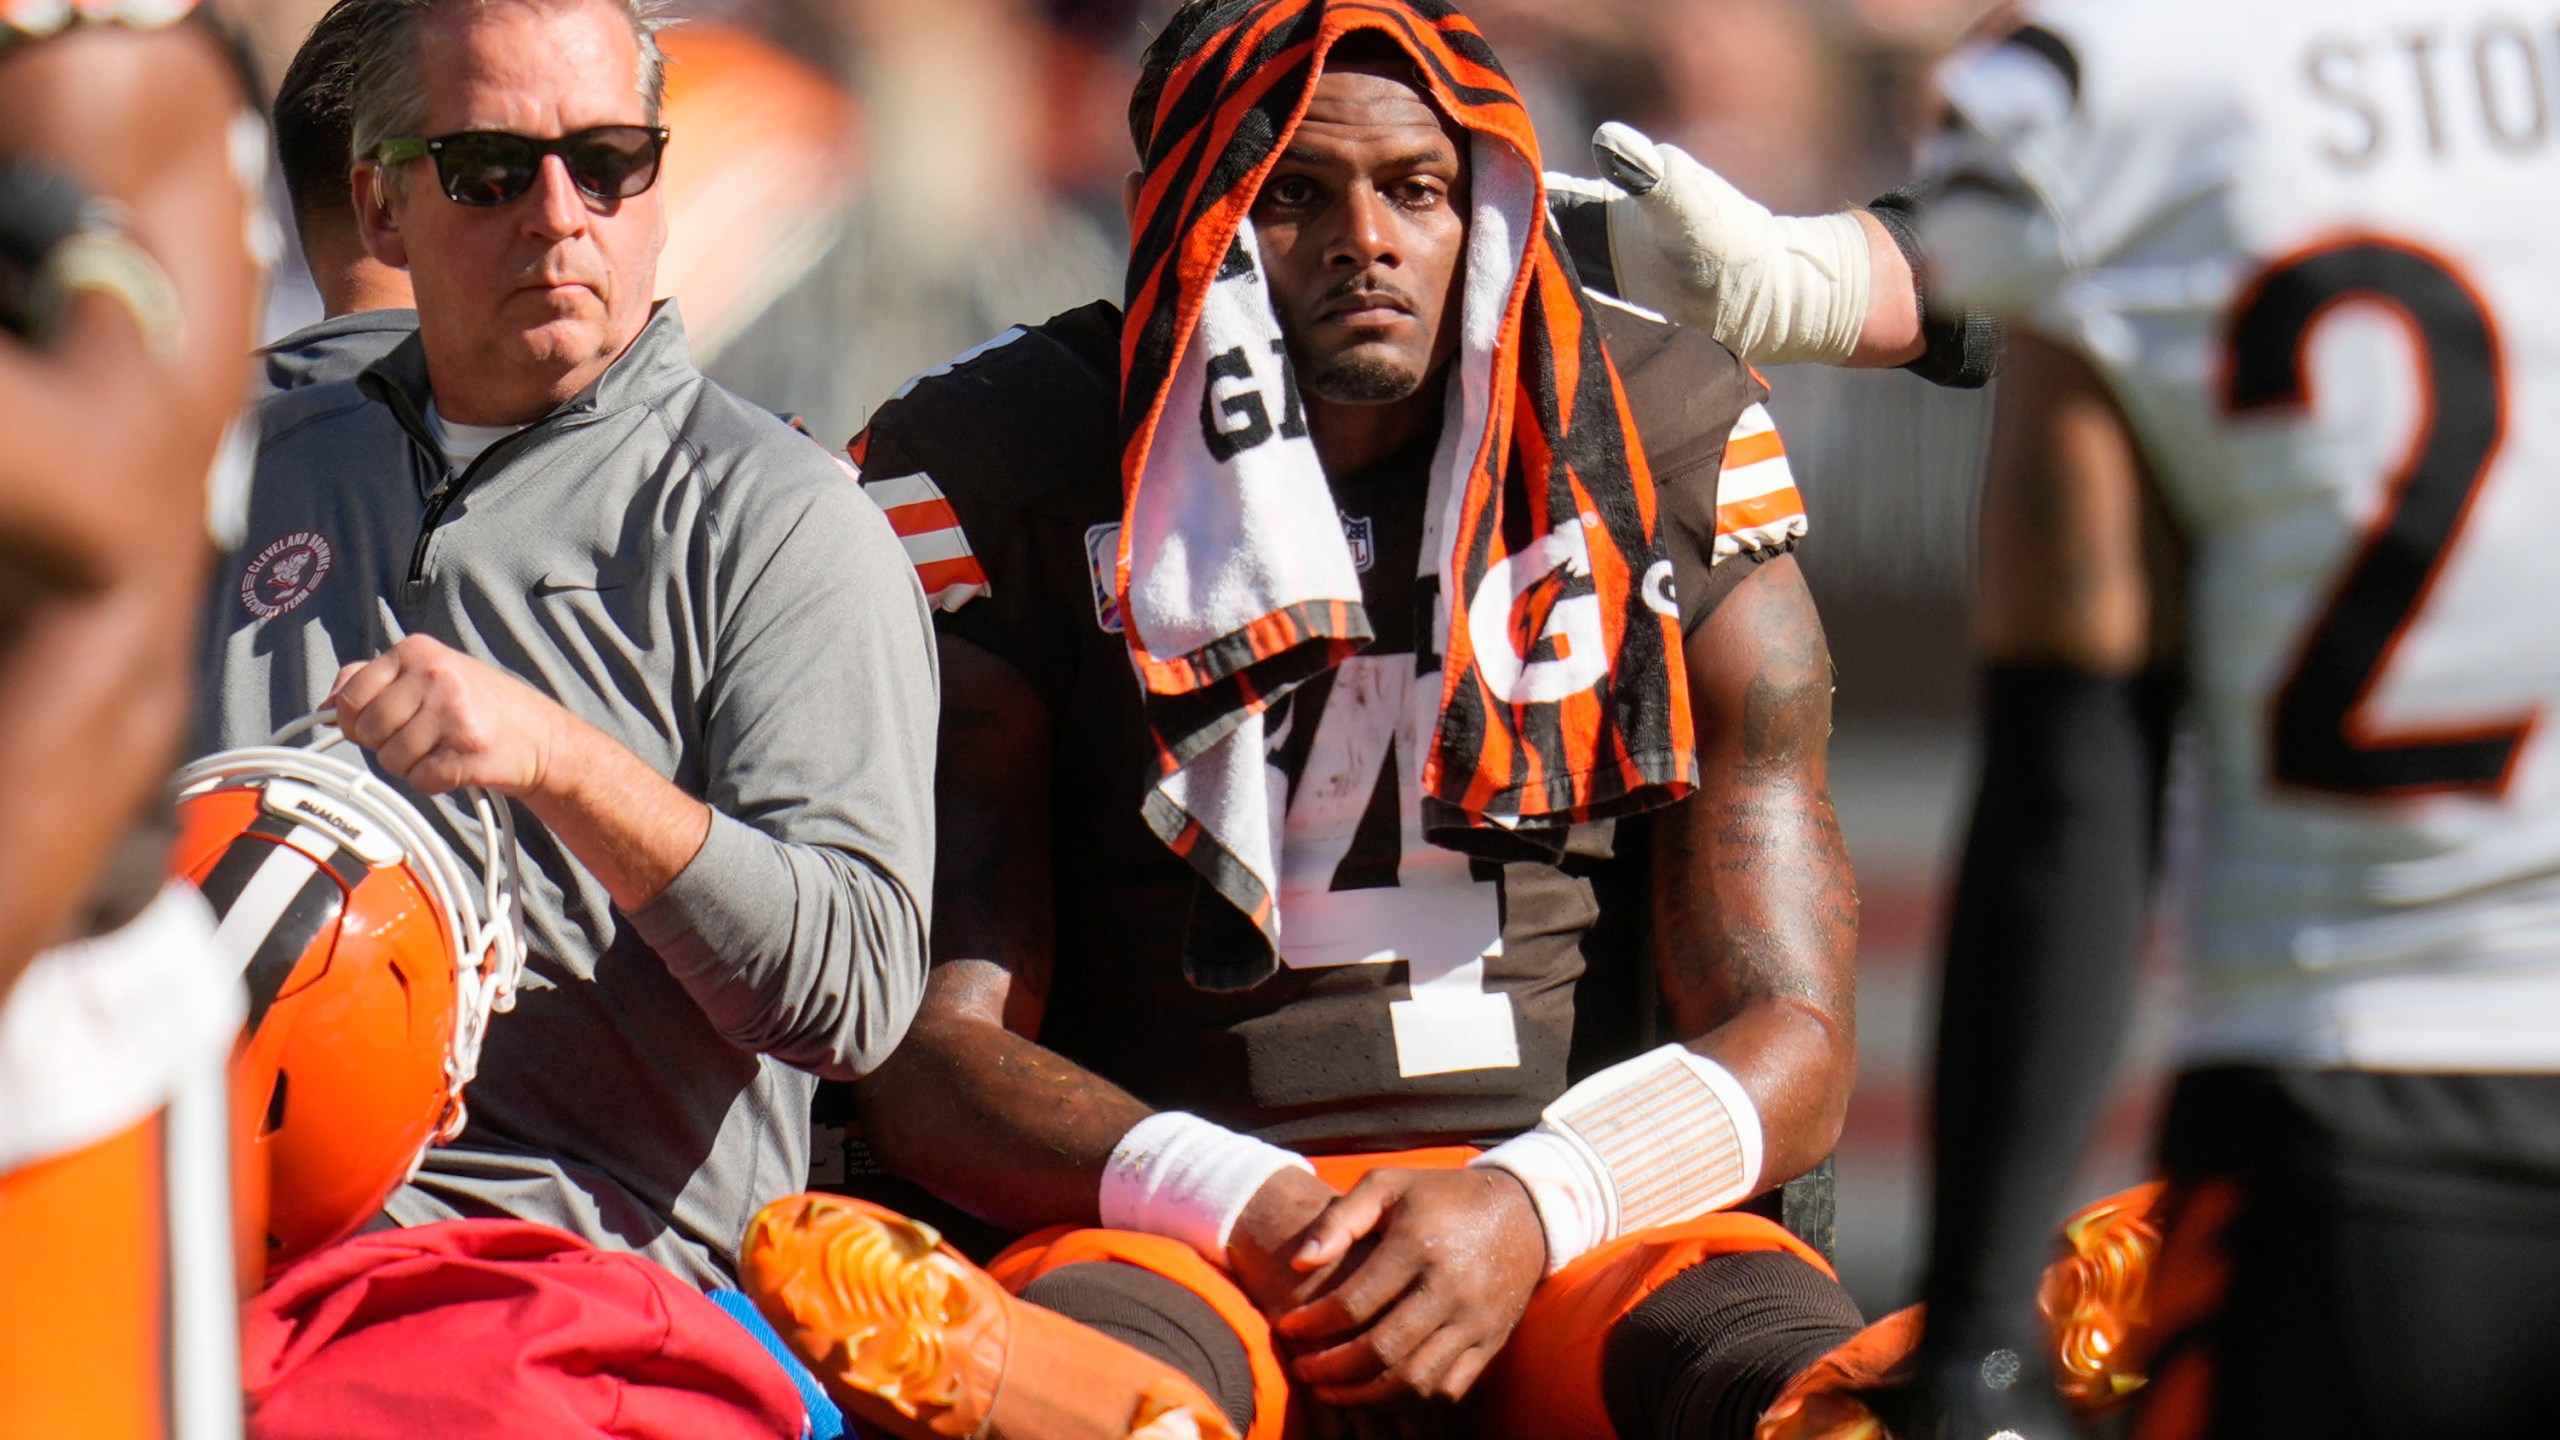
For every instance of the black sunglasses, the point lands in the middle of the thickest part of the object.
(492, 167)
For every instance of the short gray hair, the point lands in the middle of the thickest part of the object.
(390, 97)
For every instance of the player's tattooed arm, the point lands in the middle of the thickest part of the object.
(1755, 909)
(993, 921)
(971, 1106)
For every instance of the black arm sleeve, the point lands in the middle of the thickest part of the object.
(2048, 920)
(1963, 351)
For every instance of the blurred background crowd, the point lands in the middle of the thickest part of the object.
(862, 189)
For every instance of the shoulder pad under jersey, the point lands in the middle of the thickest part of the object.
(1025, 424)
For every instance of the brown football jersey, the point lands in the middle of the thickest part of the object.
(1424, 997)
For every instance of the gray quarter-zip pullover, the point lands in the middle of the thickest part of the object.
(334, 349)
(714, 592)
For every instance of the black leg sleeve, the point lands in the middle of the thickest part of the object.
(1158, 1316)
(2048, 920)
(1706, 1353)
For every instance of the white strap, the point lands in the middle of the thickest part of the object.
(1185, 1178)
(1665, 1137)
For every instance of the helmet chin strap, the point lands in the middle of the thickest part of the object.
(484, 921)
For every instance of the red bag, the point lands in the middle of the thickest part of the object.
(498, 1329)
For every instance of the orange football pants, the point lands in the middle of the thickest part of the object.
(1546, 1383)
(84, 1267)
(94, 1310)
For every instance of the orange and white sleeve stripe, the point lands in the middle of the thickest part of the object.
(936, 545)
(1758, 510)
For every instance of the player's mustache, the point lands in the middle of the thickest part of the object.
(1368, 290)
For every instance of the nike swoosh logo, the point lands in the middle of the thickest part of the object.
(559, 584)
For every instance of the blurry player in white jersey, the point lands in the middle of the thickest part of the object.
(2281, 416)
(2275, 449)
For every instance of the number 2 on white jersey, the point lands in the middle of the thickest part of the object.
(2322, 738)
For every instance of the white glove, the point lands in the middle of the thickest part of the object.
(1777, 290)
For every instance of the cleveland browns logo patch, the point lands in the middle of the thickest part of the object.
(285, 574)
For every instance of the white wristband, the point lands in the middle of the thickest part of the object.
(1665, 1137)
(1182, 1177)
(1570, 1193)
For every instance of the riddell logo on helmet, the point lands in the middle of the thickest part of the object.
(285, 574)
(330, 818)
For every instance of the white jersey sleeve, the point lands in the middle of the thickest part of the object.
(2307, 248)
(2052, 177)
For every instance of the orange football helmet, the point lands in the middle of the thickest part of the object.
(373, 960)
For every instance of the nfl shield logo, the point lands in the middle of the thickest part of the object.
(1363, 553)
(1102, 559)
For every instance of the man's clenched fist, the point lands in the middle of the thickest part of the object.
(440, 720)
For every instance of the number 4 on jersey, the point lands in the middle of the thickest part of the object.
(1361, 886)
(2323, 738)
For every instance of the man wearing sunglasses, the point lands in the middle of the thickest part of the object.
(533, 549)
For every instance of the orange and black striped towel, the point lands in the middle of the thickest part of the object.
(1563, 696)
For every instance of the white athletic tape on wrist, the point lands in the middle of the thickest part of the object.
(1181, 1177)
(1665, 1137)
(1777, 289)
